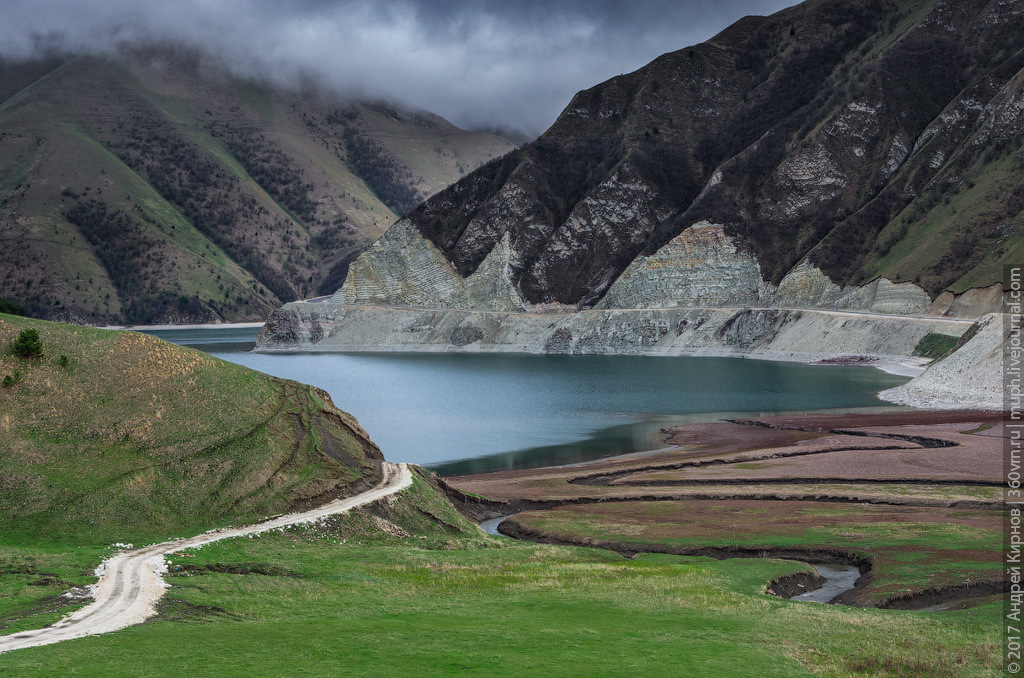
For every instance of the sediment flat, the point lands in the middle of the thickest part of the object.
(877, 489)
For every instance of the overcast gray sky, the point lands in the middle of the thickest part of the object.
(514, 63)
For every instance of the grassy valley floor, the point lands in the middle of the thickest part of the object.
(410, 588)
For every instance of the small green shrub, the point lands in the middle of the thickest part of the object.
(63, 361)
(12, 379)
(28, 344)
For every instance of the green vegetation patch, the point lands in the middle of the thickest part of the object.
(359, 599)
(936, 346)
(11, 309)
(119, 436)
(911, 547)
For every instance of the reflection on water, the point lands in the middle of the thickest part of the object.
(469, 413)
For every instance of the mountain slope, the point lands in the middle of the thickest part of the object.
(810, 158)
(150, 189)
(132, 438)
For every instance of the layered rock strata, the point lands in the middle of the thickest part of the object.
(776, 334)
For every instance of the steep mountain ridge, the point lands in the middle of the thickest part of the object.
(840, 181)
(827, 155)
(152, 188)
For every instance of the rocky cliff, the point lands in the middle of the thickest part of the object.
(778, 191)
(852, 154)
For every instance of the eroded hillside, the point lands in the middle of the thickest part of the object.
(809, 158)
(152, 189)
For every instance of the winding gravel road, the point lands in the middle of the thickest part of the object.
(130, 583)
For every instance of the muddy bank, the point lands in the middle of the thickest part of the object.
(478, 508)
(945, 597)
(798, 583)
(858, 458)
(922, 461)
(513, 528)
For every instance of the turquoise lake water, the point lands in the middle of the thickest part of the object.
(470, 413)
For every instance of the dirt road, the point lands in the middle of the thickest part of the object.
(130, 583)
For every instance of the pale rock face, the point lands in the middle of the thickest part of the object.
(896, 155)
(806, 178)
(509, 206)
(806, 286)
(403, 269)
(858, 121)
(957, 118)
(972, 303)
(898, 298)
(619, 213)
(1003, 113)
(969, 377)
(699, 267)
(491, 285)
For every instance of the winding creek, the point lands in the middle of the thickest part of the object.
(839, 578)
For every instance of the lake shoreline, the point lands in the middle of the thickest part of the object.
(907, 367)
(166, 328)
(796, 487)
(800, 335)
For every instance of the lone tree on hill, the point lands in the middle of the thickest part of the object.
(28, 344)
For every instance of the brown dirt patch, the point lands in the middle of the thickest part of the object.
(887, 449)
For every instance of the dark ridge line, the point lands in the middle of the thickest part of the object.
(922, 442)
(480, 508)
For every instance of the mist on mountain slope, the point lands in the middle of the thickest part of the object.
(482, 65)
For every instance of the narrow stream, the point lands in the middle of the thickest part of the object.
(838, 578)
(491, 526)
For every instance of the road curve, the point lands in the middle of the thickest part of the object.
(130, 583)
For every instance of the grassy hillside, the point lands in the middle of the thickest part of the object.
(117, 436)
(149, 189)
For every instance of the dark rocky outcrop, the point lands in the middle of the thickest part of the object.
(831, 144)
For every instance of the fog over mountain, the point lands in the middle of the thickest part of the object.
(480, 64)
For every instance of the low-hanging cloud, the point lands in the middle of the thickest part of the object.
(478, 63)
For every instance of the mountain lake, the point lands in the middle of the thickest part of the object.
(460, 413)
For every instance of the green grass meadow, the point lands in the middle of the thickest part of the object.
(411, 589)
